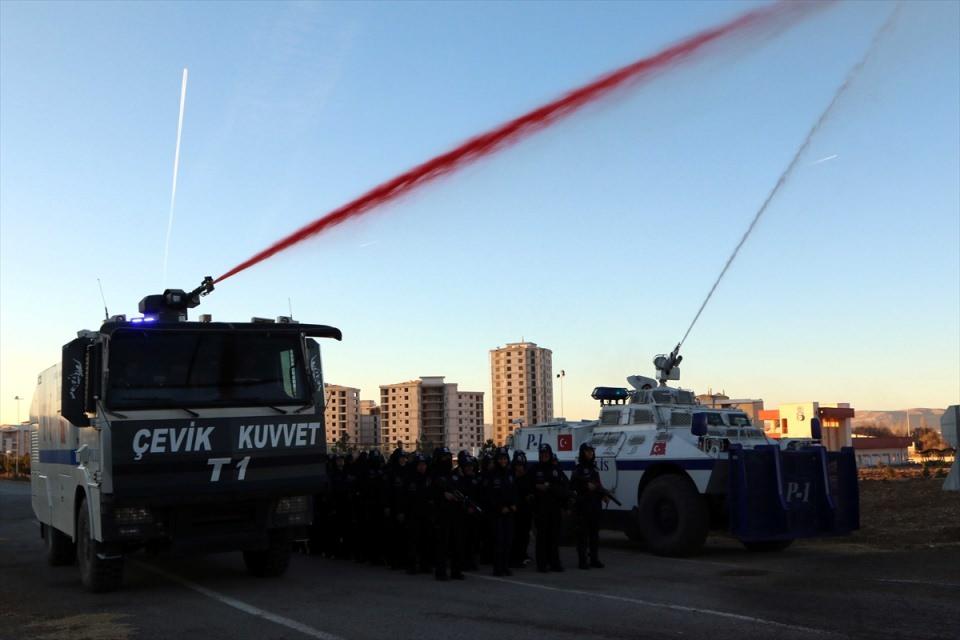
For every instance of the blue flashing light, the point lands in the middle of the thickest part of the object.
(149, 318)
(136, 320)
(610, 393)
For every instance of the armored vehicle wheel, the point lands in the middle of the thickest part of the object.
(272, 561)
(60, 548)
(766, 546)
(673, 518)
(632, 529)
(98, 571)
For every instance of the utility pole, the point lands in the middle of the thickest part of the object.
(18, 399)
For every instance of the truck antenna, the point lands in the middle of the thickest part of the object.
(290, 307)
(106, 314)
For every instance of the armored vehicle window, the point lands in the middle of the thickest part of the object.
(738, 419)
(641, 416)
(685, 397)
(159, 369)
(610, 417)
(680, 419)
(714, 419)
(662, 397)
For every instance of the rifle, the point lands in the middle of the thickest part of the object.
(606, 493)
(466, 501)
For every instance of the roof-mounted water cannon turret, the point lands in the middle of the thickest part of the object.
(172, 304)
(668, 366)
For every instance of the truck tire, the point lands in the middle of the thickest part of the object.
(673, 517)
(272, 561)
(766, 546)
(98, 572)
(61, 550)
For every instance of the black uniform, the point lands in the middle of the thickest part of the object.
(468, 483)
(416, 515)
(523, 520)
(486, 520)
(551, 492)
(585, 481)
(395, 546)
(446, 513)
(502, 498)
(340, 513)
(373, 503)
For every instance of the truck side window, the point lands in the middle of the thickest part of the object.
(714, 419)
(289, 372)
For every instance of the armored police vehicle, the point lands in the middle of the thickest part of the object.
(162, 433)
(679, 469)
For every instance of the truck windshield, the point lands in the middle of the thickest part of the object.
(161, 369)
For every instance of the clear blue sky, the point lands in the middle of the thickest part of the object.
(597, 239)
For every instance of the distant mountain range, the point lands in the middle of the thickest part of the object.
(900, 422)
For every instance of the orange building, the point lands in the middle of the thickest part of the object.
(793, 421)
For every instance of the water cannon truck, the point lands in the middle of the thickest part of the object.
(161, 433)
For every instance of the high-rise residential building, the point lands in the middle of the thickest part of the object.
(369, 424)
(342, 415)
(430, 413)
(521, 376)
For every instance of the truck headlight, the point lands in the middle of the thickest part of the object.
(292, 504)
(132, 515)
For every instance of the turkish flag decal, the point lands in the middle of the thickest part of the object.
(565, 442)
(659, 448)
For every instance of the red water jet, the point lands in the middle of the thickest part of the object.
(780, 13)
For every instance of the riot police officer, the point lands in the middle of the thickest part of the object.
(446, 510)
(415, 515)
(502, 498)
(591, 495)
(393, 508)
(468, 483)
(550, 493)
(372, 508)
(523, 519)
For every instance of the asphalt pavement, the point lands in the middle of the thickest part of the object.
(812, 590)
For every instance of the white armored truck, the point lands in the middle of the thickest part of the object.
(157, 432)
(680, 469)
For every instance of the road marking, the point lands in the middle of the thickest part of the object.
(242, 606)
(666, 605)
(926, 582)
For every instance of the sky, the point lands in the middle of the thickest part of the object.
(597, 239)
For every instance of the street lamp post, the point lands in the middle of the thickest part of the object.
(16, 461)
(561, 376)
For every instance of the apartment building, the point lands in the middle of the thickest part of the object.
(369, 424)
(521, 376)
(342, 415)
(429, 412)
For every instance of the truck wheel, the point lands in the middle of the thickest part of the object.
(60, 548)
(673, 517)
(766, 546)
(98, 572)
(272, 561)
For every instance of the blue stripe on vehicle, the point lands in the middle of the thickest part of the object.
(59, 456)
(690, 465)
